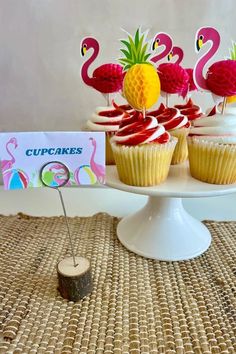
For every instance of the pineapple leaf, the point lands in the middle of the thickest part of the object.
(122, 62)
(140, 46)
(132, 44)
(136, 49)
(127, 44)
(127, 67)
(143, 52)
(146, 56)
(233, 51)
(136, 38)
(126, 61)
(126, 53)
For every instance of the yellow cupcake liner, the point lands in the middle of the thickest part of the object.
(143, 165)
(181, 149)
(212, 162)
(109, 153)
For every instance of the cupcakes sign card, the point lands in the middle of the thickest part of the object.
(24, 154)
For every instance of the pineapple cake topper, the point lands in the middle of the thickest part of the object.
(141, 85)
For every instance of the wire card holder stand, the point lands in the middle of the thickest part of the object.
(74, 272)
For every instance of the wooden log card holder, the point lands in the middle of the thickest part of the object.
(74, 273)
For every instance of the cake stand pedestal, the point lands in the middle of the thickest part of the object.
(162, 229)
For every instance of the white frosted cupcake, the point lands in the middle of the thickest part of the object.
(108, 119)
(178, 126)
(212, 149)
(143, 150)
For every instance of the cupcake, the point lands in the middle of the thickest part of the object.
(178, 126)
(143, 151)
(191, 110)
(108, 119)
(212, 149)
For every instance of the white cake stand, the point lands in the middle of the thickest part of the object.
(162, 229)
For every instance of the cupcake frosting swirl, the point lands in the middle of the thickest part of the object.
(191, 110)
(108, 119)
(217, 128)
(135, 130)
(170, 118)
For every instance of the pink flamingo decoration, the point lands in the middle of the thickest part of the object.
(107, 78)
(220, 79)
(173, 77)
(161, 39)
(97, 169)
(7, 164)
(177, 51)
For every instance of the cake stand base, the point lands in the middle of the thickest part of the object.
(163, 230)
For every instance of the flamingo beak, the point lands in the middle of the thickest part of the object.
(155, 45)
(199, 44)
(83, 50)
(170, 56)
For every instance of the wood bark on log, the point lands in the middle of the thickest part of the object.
(74, 282)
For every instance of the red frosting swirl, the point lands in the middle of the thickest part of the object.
(191, 110)
(170, 118)
(135, 130)
(108, 119)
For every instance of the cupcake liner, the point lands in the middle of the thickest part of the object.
(109, 153)
(212, 162)
(181, 149)
(143, 165)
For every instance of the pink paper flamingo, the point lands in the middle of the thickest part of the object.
(7, 164)
(172, 76)
(107, 78)
(98, 169)
(177, 51)
(220, 79)
(161, 39)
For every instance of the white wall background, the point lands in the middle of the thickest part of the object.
(40, 83)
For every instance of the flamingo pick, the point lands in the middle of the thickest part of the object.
(107, 78)
(220, 79)
(173, 77)
(177, 51)
(161, 39)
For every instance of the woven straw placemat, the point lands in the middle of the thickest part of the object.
(137, 305)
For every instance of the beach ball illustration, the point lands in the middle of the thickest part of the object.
(15, 179)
